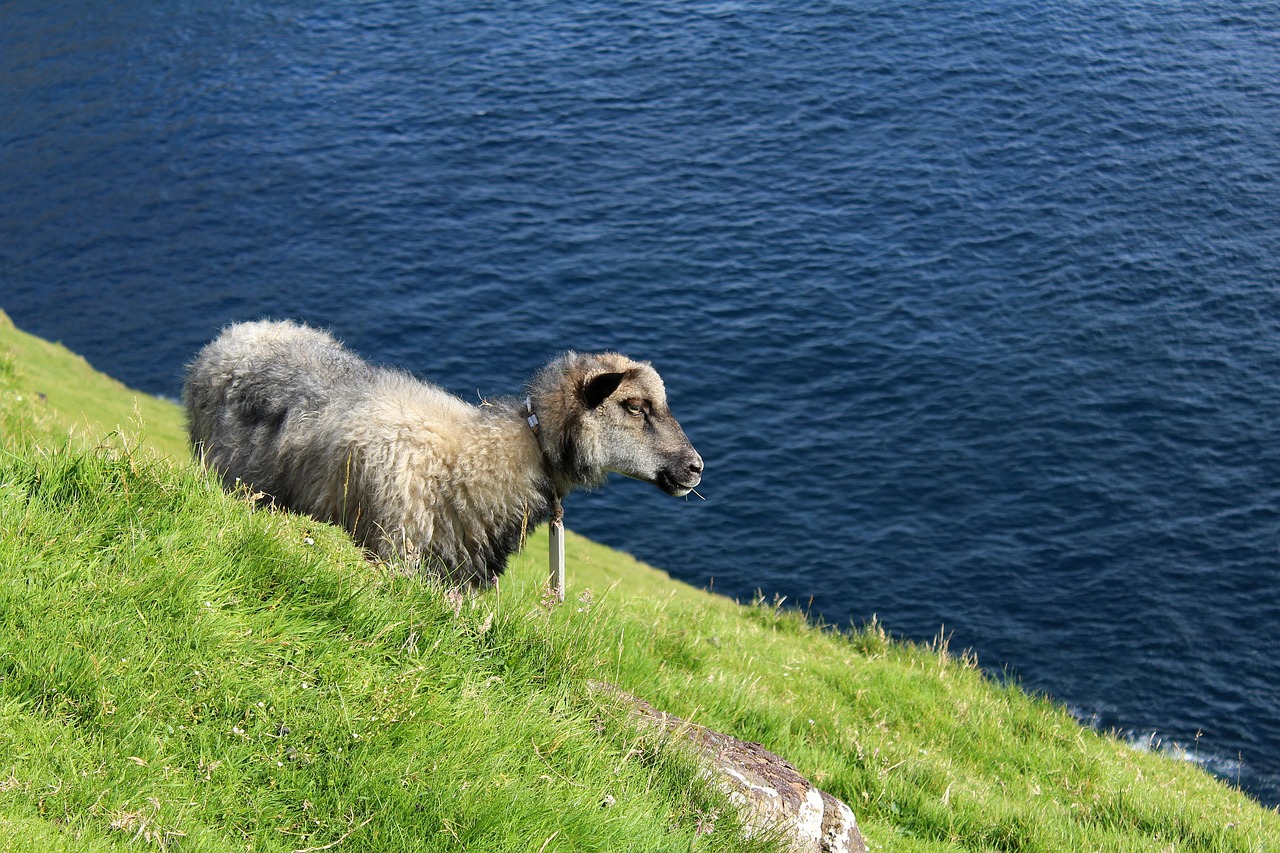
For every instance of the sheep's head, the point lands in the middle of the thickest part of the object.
(609, 414)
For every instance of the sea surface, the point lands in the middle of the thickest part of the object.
(973, 309)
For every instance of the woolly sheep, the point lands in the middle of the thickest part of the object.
(413, 472)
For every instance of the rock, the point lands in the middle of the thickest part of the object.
(771, 793)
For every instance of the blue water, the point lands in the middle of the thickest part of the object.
(972, 309)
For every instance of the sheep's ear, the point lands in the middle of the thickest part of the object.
(598, 388)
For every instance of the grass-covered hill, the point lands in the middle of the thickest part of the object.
(181, 671)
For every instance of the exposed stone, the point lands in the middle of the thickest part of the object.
(770, 792)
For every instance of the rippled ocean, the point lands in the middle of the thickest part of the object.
(973, 310)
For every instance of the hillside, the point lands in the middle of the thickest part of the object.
(181, 671)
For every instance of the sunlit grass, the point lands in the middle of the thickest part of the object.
(180, 669)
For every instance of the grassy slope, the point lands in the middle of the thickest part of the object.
(179, 670)
(81, 401)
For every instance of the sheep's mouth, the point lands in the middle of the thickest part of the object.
(676, 488)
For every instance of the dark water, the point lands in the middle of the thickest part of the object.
(973, 309)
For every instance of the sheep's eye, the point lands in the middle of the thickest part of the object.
(634, 408)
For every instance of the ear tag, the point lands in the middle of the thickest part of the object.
(532, 419)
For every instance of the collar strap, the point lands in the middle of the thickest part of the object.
(557, 511)
(555, 534)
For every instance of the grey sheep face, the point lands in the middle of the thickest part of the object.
(627, 427)
(606, 413)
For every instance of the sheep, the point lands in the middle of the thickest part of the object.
(414, 473)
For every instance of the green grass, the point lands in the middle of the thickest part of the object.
(66, 395)
(181, 671)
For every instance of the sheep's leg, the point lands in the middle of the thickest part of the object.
(557, 560)
(555, 548)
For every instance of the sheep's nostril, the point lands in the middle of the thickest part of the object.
(695, 467)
